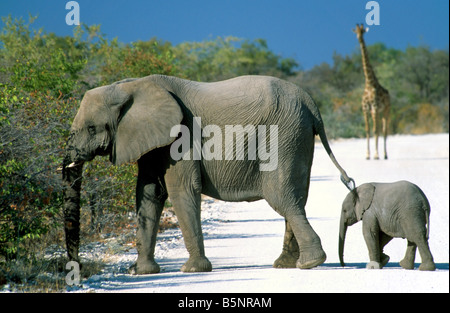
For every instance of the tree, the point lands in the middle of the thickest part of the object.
(141, 58)
(224, 58)
(426, 71)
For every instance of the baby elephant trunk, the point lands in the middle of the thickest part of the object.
(342, 233)
(71, 176)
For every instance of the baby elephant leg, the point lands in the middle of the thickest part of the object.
(425, 255)
(371, 234)
(410, 256)
(373, 265)
(384, 240)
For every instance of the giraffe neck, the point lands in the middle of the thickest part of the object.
(368, 70)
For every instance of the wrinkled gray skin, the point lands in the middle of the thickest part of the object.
(389, 210)
(131, 121)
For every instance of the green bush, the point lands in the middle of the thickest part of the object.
(42, 79)
(37, 102)
(31, 140)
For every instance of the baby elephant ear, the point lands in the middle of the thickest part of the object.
(145, 120)
(365, 194)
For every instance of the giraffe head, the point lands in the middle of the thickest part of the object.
(360, 30)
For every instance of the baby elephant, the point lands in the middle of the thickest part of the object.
(389, 210)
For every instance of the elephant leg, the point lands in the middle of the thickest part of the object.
(183, 182)
(410, 256)
(150, 198)
(187, 209)
(298, 230)
(286, 191)
(372, 237)
(290, 253)
(384, 240)
(426, 256)
(311, 253)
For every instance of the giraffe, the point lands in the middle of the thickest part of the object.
(375, 100)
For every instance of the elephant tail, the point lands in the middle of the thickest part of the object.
(348, 181)
(427, 215)
(427, 208)
(319, 129)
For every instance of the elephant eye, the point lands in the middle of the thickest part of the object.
(91, 130)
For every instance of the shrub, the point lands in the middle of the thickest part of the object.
(42, 79)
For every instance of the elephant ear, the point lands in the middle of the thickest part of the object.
(365, 194)
(144, 119)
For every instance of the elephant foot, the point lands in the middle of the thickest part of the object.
(407, 264)
(427, 266)
(197, 264)
(311, 259)
(373, 265)
(286, 260)
(142, 268)
(384, 260)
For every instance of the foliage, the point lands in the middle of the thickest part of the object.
(28, 67)
(37, 79)
(39, 94)
(138, 59)
(30, 193)
(224, 58)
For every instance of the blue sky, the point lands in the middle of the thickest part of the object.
(309, 31)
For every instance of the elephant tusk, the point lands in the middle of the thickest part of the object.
(60, 168)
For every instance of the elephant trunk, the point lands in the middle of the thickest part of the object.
(342, 232)
(72, 176)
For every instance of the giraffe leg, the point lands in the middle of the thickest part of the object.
(367, 128)
(387, 108)
(385, 131)
(376, 130)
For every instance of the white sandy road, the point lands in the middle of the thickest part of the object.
(243, 239)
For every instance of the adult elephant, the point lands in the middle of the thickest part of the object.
(139, 120)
